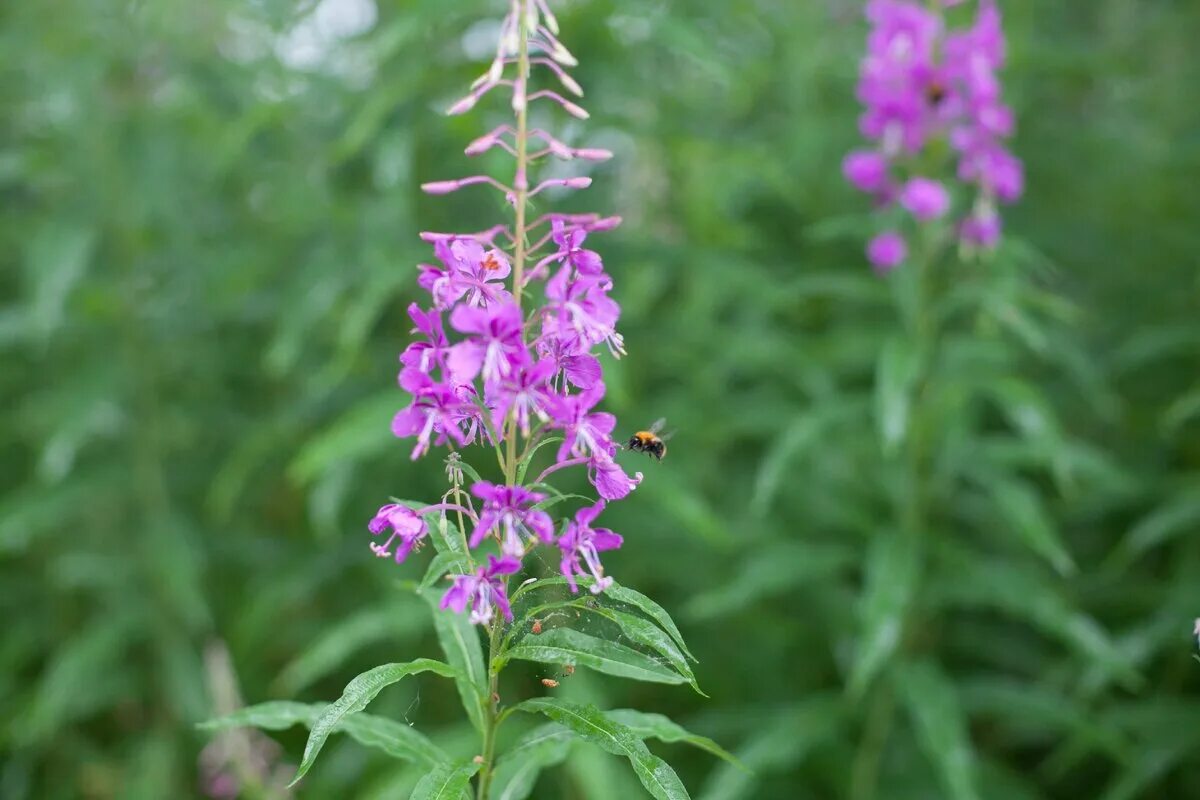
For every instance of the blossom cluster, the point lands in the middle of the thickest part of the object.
(921, 84)
(485, 370)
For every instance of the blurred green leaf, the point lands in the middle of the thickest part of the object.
(933, 705)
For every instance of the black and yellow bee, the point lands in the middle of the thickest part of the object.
(649, 442)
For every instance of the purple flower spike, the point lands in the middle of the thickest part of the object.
(405, 525)
(582, 541)
(511, 509)
(504, 351)
(482, 592)
(919, 84)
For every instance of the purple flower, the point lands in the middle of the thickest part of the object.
(925, 199)
(867, 170)
(582, 541)
(580, 368)
(494, 347)
(981, 228)
(511, 509)
(570, 248)
(584, 432)
(524, 394)
(581, 313)
(469, 273)
(887, 250)
(426, 355)
(483, 591)
(405, 525)
(436, 408)
(611, 482)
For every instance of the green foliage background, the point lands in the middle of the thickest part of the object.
(205, 256)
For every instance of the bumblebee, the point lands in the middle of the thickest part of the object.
(649, 442)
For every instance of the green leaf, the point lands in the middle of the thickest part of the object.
(891, 580)
(1021, 507)
(441, 564)
(646, 633)
(394, 738)
(459, 640)
(345, 637)
(523, 466)
(567, 646)
(593, 726)
(895, 375)
(771, 570)
(621, 594)
(445, 782)
(656, 612)
(941, 726)
(448, 539)
(517, 770)
(802, 436)
(357, 694)
(352, 437)
(658, 726)
(1178, 517)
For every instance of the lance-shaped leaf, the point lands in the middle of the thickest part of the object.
(460, 642)
(646, 633)
(890, 583)
(621, 594)
(592, 725)
(394, 738)
(567, 646)
(357, 694)
(445, 782)
(941, 726)
(518, 769)
(657, 726)
(896, 373)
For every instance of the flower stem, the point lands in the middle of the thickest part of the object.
(520, 202)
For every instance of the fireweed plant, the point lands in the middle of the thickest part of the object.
(505, 363)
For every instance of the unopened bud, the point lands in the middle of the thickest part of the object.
(440, 187)
(572, 87)
(462, 106)
(593, 154)
(574, 110)
(480, 145)
(563, 56)
(605, 224)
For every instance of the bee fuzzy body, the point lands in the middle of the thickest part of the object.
(649, 443)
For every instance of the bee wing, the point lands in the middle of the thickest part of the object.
(658, 424)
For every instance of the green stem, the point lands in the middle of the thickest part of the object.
(520, 202)
(912, 507)
(864, 775)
